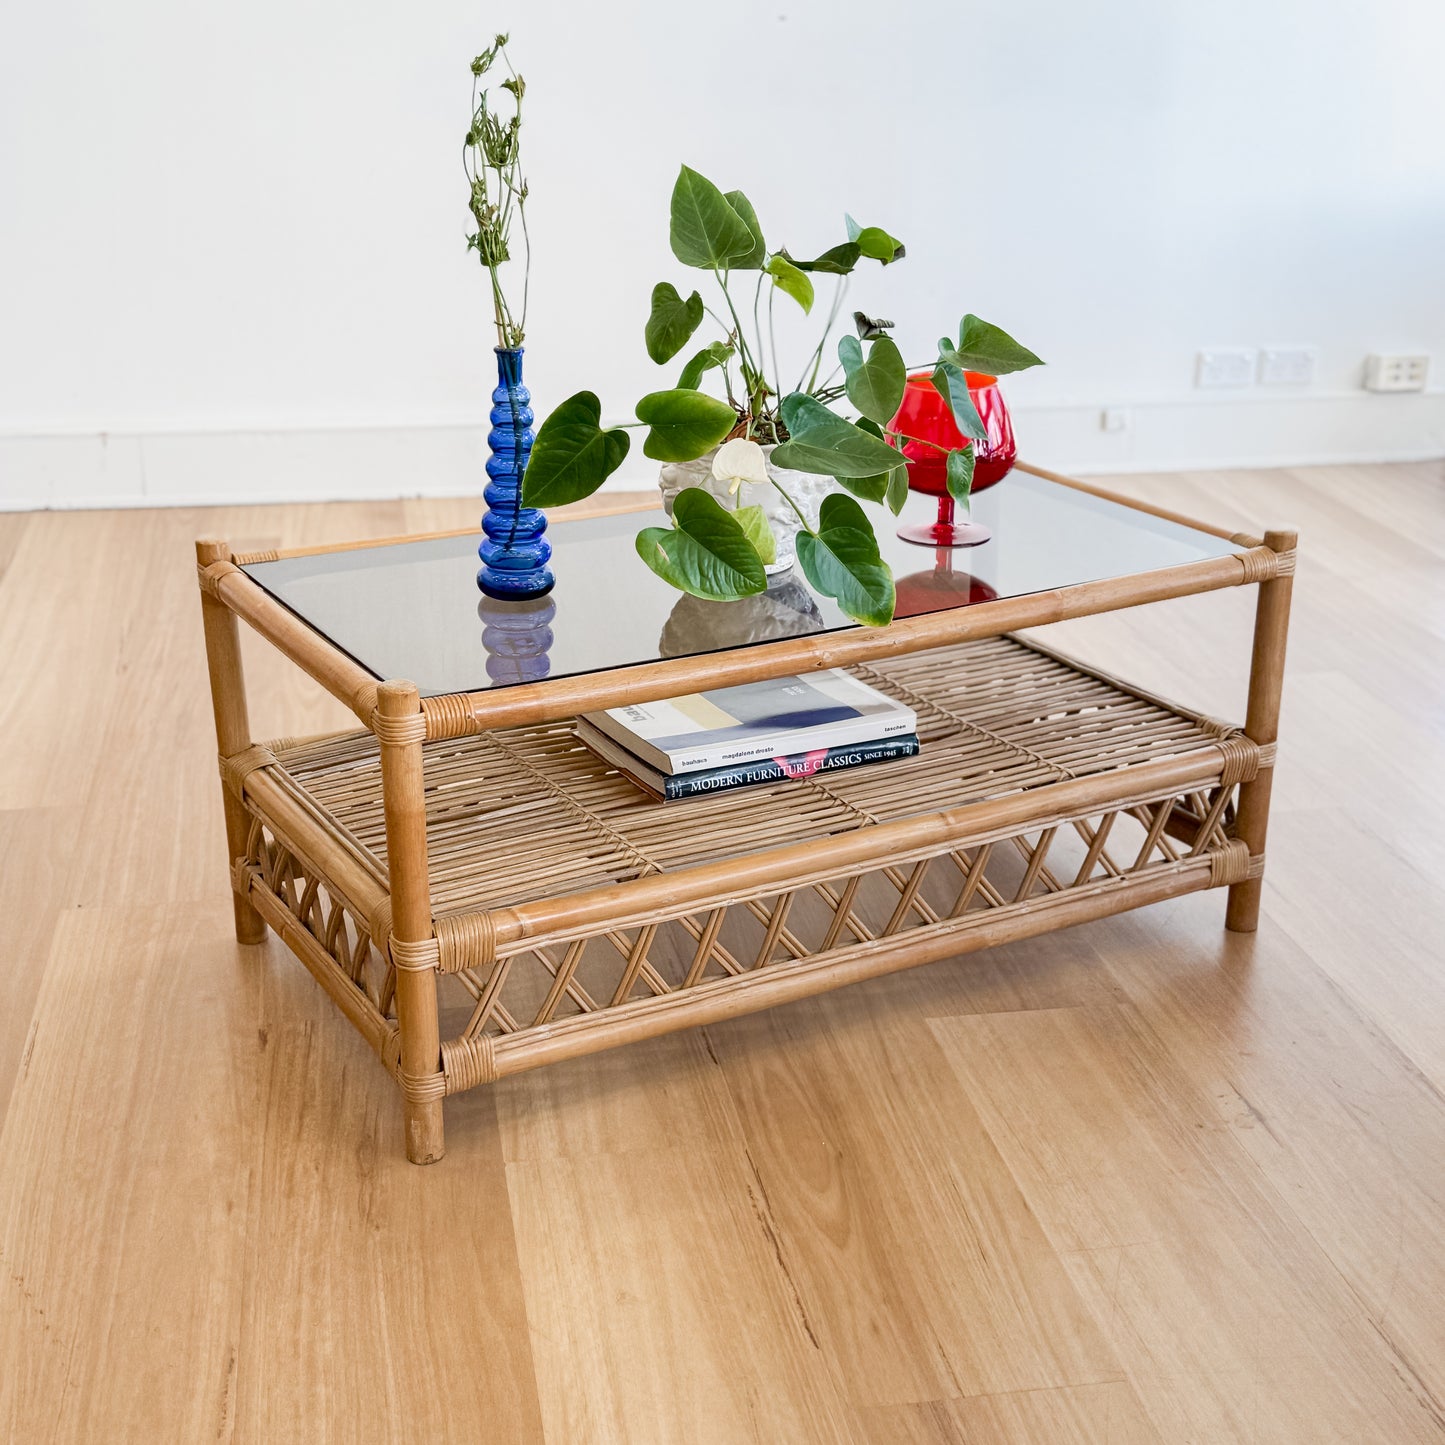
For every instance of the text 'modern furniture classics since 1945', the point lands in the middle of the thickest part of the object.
(480, 895)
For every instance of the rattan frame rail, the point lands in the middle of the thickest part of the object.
(1095, 798)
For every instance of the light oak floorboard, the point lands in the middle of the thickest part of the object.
(379, 1301)
(129, 1151)
(13, 526)
(1139, 1182)
(1380, 935)
(1237, 1324)
(659, 1307)
(59, 636)
(601, 1104)
(34, 848)
(839, 1104)
(1107, 1414)
(1348, 1138)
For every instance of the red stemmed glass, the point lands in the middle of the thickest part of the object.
(925, 415)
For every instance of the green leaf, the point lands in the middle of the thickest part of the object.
(875, 385)
(754, 521)
(684, 424)
(885, 483)
(982, 347)
(572, 455)
(836, 261)
(871, 489)
(787, 278)
(877, 244)
(875, 488)
(897, 493)
(705, 552)
(842, 561)
(874, 242)
(837, 511)
(705, 230)
(716, 353)
(672, 321)
(960, 474)
(753, 260)
(952, 385)
(824, 443)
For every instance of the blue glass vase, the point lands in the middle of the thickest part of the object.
(514, 553)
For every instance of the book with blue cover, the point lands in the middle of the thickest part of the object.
(779, 717)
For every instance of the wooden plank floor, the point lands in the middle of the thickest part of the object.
(1139, 1182)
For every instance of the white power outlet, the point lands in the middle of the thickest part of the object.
(1396, 373)
(1114, 418)
(1287, 365)
(1226, 366)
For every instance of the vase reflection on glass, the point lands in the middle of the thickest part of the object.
(517, 635)
(924, 414)
(514, 552)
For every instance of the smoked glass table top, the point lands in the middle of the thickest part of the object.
(412, 610)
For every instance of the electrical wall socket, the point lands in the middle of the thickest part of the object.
(1114, 418)
(1226, 366)
(1396, 373)
(1287, 365)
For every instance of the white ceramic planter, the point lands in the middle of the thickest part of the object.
(807, 489)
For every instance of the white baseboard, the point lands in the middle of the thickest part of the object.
(197, 469)
(224, 468)
(1193, 434)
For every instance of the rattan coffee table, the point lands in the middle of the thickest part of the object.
(480, 895)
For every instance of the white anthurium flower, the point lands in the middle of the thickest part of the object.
(740, 461)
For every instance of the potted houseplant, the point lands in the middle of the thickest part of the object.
(794, 447)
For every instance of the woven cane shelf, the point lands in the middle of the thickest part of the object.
(526, 828)
(480, 895)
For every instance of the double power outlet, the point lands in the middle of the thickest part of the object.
(1240, 366)
(1235, 366)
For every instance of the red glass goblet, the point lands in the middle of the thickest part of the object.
(926, 416)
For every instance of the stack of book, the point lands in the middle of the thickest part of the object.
(760, 732)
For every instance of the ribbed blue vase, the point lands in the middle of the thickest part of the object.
(514, 553)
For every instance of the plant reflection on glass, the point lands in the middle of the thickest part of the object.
(491, 158)
(709, 551)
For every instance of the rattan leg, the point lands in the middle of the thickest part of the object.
(233, 727)
(1266, 678)
(400, 729)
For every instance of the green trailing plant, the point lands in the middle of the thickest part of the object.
(708, 550)
(496, 190)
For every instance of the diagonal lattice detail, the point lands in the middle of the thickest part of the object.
(316, 907)
(628, 966)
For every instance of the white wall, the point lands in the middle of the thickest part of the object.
(231, 238)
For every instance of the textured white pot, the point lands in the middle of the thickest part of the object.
(807, 489)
